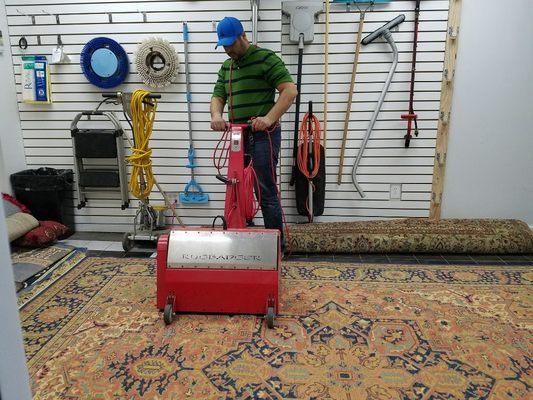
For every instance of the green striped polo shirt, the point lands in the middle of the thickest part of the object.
(255, 77)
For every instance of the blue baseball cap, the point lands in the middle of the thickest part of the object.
(228, 30)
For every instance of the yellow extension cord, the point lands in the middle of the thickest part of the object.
(143, 114)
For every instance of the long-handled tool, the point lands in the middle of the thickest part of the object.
(384, 32)
(326, 76)
(411, 116)
(302, 16)
(255, 18)
(193, 193)
(362, 14)
(297, 110)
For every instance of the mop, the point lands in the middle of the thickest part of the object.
(193, 193)
(387, 35)
(362, 14)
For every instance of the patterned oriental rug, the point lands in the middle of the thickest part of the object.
(30, 264)
(414, 235)
(350, 332)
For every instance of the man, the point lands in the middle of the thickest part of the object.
(255, 75)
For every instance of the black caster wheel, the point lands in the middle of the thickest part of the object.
(127, 243)
(270, 317)
(168, 314)
(125, 205)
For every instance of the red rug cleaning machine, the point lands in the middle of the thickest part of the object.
(225, 270)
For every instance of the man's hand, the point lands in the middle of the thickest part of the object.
(218, 123)
(261, 123)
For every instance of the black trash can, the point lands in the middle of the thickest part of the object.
(47, 192)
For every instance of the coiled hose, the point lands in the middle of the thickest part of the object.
(143, 114)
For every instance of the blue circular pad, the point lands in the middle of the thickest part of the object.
(104, 62)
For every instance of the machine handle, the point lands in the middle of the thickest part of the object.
(94, 112)
(107, 114)
(380, 31)
(108, 95)
(223, 179)
(224, 223)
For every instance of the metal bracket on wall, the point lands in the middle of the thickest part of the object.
(23, 43)
(254, 18)
(441, 158)
(145, 19)
(453, 32)
(436, 198)
(30, 16)
(252, 4)
(53, 15)
(445, 74)
(110, 16)
(445, 117)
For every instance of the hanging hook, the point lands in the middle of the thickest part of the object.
(255, 3)
(32, 17)
(23, 43)
(143, 14)
(59, 41)
(52, 15)
(369, 7)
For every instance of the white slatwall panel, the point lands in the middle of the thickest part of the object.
(385, 159)
(46, 128)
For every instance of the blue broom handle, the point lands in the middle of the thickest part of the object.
(190, 157)
(187, 81)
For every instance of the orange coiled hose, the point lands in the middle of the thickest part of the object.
(303, 146)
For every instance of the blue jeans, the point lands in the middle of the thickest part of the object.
(265, 157)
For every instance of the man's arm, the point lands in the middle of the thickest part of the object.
(217, 108)
(287, 93)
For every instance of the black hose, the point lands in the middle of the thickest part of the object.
(224, 223)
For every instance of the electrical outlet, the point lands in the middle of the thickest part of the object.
(396, 191)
